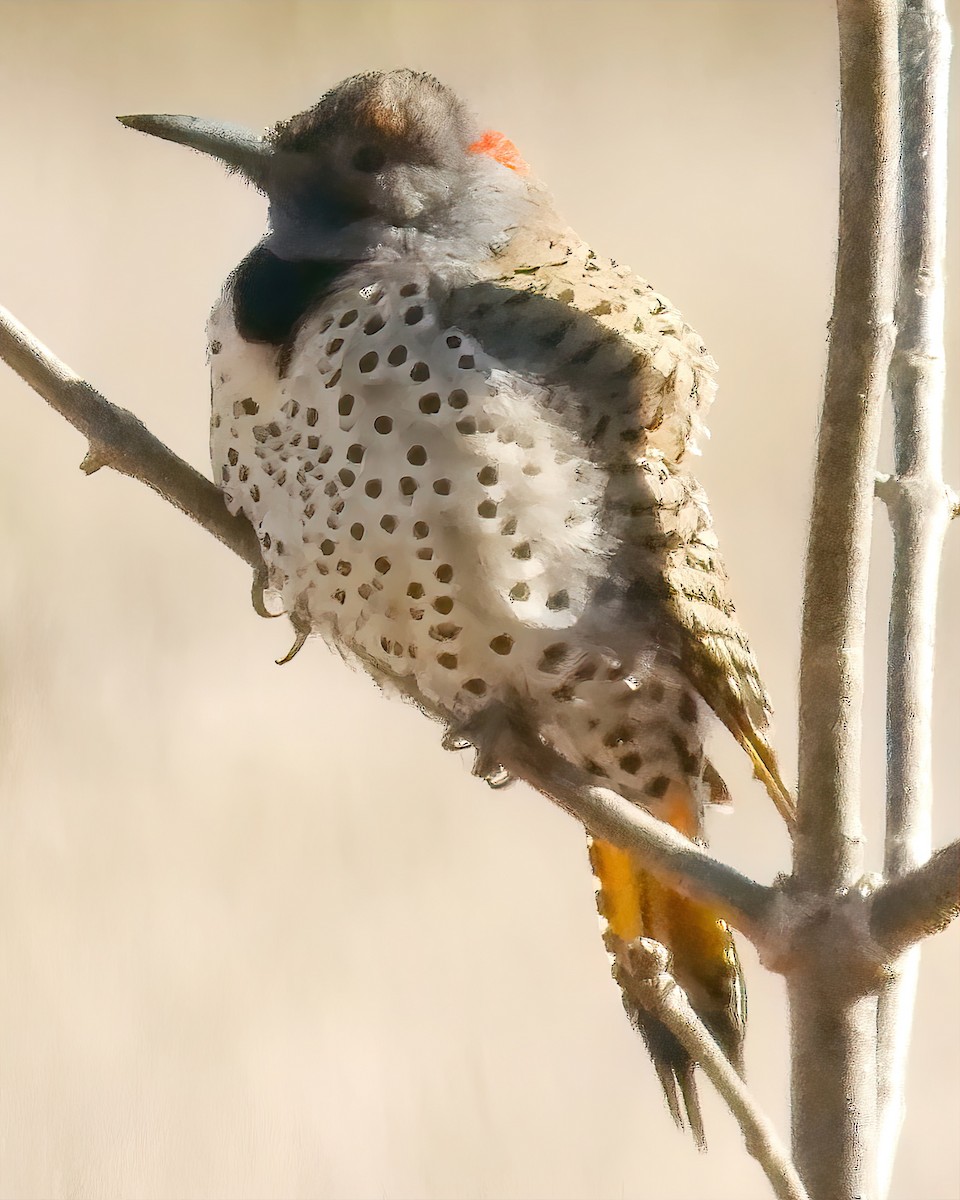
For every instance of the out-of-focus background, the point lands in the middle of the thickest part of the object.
(242, 956)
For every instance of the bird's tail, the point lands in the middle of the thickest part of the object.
(705, 964)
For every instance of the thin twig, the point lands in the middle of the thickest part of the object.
(120, 440)
(919, 903)
(833, 1034)
(660, 993)
(920, 507)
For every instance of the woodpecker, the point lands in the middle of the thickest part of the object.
(463, 438)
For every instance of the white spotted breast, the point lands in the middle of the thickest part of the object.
(415, 502)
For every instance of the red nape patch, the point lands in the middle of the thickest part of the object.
(499, 146)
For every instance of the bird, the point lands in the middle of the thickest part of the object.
(463, 440)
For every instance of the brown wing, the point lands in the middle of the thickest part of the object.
(675, 531)
(644, 383)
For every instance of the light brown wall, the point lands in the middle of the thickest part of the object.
(259, 936)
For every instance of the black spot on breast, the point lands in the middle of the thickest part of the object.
(271, 295)
(582, 357)
(657, 788)
(553, 337)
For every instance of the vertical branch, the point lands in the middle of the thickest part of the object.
(919, 506)
(828, 842)
(833, 1035)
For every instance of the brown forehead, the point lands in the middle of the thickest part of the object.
(400, 110)
(382, 117)
(373, 114)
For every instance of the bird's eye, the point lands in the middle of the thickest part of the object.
(369, 159)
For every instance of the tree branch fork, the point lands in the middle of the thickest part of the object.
(865, 927)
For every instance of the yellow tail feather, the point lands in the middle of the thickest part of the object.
(704, 962)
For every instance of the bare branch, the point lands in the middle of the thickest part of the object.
(918, 501)
(120, 440)
(918, 904)
(828, 842)
(920, 507)
(742, 902)
(833, 1036)
(660, 993)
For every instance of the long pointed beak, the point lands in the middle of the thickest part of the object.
(235, 146)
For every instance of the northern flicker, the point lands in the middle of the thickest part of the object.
(462, 438)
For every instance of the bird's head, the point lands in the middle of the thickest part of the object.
(393, 150)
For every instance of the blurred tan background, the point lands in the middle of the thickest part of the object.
(242, 955)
